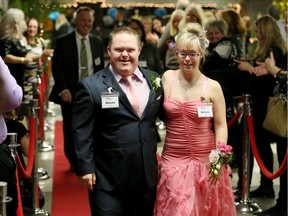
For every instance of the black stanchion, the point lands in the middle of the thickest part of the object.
(246, 205)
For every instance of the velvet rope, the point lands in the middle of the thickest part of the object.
(40, 113)
(26, 173)
(19, 211)
(234, 119)
(266, 172)
(44, 87)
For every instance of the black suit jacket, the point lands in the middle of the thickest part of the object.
(65, 63)
(115, 143)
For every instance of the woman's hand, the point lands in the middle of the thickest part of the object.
(244, 66)
(47, 53)
(261, 69)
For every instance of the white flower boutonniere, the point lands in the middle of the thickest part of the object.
(155, 81)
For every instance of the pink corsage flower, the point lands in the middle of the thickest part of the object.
(222, 156)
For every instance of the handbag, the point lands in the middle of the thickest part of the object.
(276, 117)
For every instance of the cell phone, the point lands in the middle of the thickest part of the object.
(171, 44)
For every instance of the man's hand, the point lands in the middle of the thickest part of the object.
(66, 96)
(87, 180)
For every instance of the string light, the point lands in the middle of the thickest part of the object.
(104, 4)
(167, 5)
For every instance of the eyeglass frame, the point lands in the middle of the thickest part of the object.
(192, 55)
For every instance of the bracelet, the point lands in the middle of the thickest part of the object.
(278, 73)
(22, 60)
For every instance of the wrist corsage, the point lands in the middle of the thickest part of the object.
(218, 158)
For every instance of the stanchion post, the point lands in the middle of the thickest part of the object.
(3, 198)
(12, 144)
(42, 145)
(246, 205)
(37, 210)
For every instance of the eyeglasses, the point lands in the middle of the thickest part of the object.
(192, 55)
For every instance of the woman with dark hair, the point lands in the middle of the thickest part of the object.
(37, 48)
(236, 28)
(260, 88)
(150, 56)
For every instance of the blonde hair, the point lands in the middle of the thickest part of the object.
(191, 36)
(148, 23)
(176, 13)
(10, 115)
(12, 23)
(197, 11)
(61, 20)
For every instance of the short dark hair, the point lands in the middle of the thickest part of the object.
(141, 26)
(274, 11)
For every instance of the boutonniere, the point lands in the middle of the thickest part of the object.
(155, 81)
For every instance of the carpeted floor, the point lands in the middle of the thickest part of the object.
(69, 198)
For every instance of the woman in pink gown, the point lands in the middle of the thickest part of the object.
(191, 102)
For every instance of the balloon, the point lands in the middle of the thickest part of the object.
(112, 12)
(54, 15)
(160, 12)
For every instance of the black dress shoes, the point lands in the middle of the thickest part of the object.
(274, 211)
(265, 192)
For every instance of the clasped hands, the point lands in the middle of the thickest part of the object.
(262, 68)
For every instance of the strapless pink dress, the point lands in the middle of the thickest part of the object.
(183, 188)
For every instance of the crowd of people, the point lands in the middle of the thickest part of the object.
(185, 72)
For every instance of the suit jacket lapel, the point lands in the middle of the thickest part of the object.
(73, 43)
(152, 94)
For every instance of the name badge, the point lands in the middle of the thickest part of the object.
(205, 111)
(97, 61)
(142, 63)
(109, 100)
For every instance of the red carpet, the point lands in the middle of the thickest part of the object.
(69, 198)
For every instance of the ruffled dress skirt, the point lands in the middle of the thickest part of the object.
(186, 191)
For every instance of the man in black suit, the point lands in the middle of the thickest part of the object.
(115, 139)
(67, 69)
